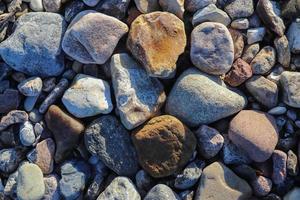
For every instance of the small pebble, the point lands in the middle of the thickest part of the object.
(261, 186)
(31, 87)
(255, 35)
(279, 110)
(26, 134)
(279, 167)
(292, 163)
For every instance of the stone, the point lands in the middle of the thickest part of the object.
(10, 188)
(255, 132)
(66, 131)
(250, 52)
(212, 53)
(266, 10)
(147, 6)
(263, 90)
(41, 52)
(9, 100)
(239, 8)
(290, 83)
(279, 159)
(10, 160)
(31, 87)
(87, 46)
(238, 43)
(73, 8)
(292, 164)
(26, 134)
(194, 5)
(219, 182)
(156, 43)
(261, 186)
(144, 182)
(91, 3)
(52, 5)
(13, 117)
(290, 9)
(49, 84)
(210, 13)
(120, 188)
(198, 98)
(161, 192)
(96, 93)
(43, 155)
(36, 5)
(239, 73)
(30, 102)
(278, 110)
(173, 6)
(294, 194)
(210, 141)
(241, 24)
(283, 51)
(245, 171)
(115, 8)
(292, 36)
(264, 60)
(30, 183)
(51, 188)
(138, 96)
(107, 139)
(164, 145)
(255, 34)
(74, 177)
(189, 176)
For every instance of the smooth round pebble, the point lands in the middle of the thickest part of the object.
(26, 134)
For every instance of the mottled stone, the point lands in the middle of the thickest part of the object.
(290, 82)
(9, 100)
(283, 51)
(239, 8)
(238, 43)
(52, 5)
(264, 60)
(250, 52)
(51, 188)
(292, 164)
(31, 86)
(10, 159)
(13, 117)
(279, 166)
(161, 192)
(261, 186)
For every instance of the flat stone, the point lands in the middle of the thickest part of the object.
(41, 53)
(30, 183)
(115, 8)
(198, 98)
(10, 160)
(239, 8)
(147, 6)
(266, 10)
(212, 53)
(107, 139)
(283, 51)
(294, 194)
(194, 5)
(52, 5)
(156, 43)
(138, 96)
(66, 131)
(120, 188)
(161, 192)
(97, 97)
(279, 159)
(290, 82)
(51, 188)
(255, 34)
(31, 87)
(264, 60)
(174, 6)
(238, 43)
(241, 24)
(164, 145)
(13, 117)
(26, 134)
(292, 36)
(87, 46)
(263, 90)
(218, 182)
(255, 132)
(9, 100)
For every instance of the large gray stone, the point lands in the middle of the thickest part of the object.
(290, 82)
(34, 47)
(198, 98)
(138, 96)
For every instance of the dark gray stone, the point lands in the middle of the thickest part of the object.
(73, 8)
(10, 160)
(115, 8)
(9, 100)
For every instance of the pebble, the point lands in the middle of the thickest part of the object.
(138, 96)
(186, 195)
(10, 160)
(266, 10)
(66, 131)
(10, 188)
(156, 43)
(26, 134)
(292, 114)
(31, 87)
(30, 102)
(161, 192)
(97, 97)
(49, 84)
(210, 141)
(263, 90)
(189, 176)
(283, 51)
(264, 60)
(261, 186)
(279, 174)
(239, 8)
(35, 116)
(175, 6)
(292, 164)
(144, 182)
(106, 138)
(74, 177)
(91, 3)
(238, 42)
(210, 13)
(30, 183)
(241, 24)
(36, 5)
(292, 36)
(51, 188)
(290, 9)
(255, 34)
(279, 110)
(120, 188)
(245, 171)
(164, 145)
(115, 8)
(294, 194)
(87, 46)
(43, 155)
(194, 5)
(250, 52)
(49, 28)
(198, 98)
(255, 132)
(52, 5)
(212, 53)
(147, 6)
(10, 100)
(13, 117)
(290, 84)
(73, 8)
(219, 182)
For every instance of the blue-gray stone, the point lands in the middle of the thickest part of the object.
(9, 160)
(161, 192)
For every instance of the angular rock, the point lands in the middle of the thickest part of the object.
(283, 51)
(9, 100)
(147, 6)
(194, 5)
(10, 160)
(115, 8)
(164, 145)
(31, 87)
(255, 34)
(255, 132)
(88, 46)
(293, 37)
(238, 43)
(239, 8)
(198, 98)
(264, 60)
(212, 53)
(66, 131)
(290, 82)
(218, 182)
(38, 54)
(51, 188)
(13, 117)
(96, 93)
(156, 43)
(173, 6)
(279, 159)
(138, 96)
(107, 139)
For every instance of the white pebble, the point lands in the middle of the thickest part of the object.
(27, 136)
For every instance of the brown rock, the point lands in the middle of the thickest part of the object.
(156, 40)
(238, 42)
(255, 132)
(9, 100)
(66, 131)
(239, 73)
(164, 145)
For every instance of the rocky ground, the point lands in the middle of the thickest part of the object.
(149, 99)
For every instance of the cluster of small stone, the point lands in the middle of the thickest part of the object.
(149, 99)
